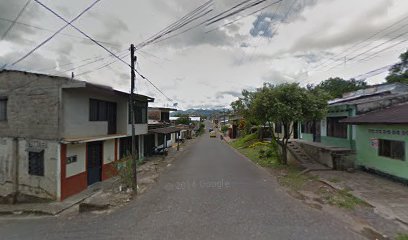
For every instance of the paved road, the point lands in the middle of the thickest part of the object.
(211, 193)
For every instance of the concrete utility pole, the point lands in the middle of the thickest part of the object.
(133, 59)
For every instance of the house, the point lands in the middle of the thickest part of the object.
(331, 132)
(382, 140)
(59, 135)
(332, 140)
(161, 133)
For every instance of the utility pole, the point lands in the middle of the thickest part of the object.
(133, 59)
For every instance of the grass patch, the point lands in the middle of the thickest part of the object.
(402, 237)
(334, 180)
(293, 178)
(245, 141)
(342, 199)
(259, 152)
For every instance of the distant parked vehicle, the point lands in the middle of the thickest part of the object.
(213, 134)
(210, 130)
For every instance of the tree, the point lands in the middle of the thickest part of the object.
(399, 72)
(285, 104)
(336, 87)
(183, 119)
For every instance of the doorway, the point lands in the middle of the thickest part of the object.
(94, 162)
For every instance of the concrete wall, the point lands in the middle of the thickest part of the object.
(367, 149)
(108, 151)
(40, 186)
(7, 170)
(33, 105)
(75, 113)
(140, 129)
(78, 167)
(331, 157)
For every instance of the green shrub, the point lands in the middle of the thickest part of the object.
(224, 129)
(245, 141)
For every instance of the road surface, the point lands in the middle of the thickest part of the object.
(210, 193)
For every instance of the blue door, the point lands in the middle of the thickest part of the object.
(94, 164)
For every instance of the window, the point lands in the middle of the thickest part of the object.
(307, 127)
(391, 149)
(165, 117)
(36, 163)
(140, 112)
(101, 110)
(3, 109)
(335, 128)
(278, 127)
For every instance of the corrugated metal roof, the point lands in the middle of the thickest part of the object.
(165, 130)
(381, 89)
(397, 114)
(369, 99)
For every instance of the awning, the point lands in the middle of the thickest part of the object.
(91, 139)
(165, 130)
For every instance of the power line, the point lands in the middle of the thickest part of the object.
(190, 17)
(369, 50)
(374, 72)
(15, 20)
(247, 6)
(83, 33)
(336, 58)
(195, 26)
(103, 66)
(88, 63)
(250, 14)
(53, 35)
(96, 59)
(378, 52)
(50, 30)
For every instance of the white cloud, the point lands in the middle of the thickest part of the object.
(199, 69)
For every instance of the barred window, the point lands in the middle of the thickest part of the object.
(36, 163)
(391, 149)
(3, 109)
(335, 128)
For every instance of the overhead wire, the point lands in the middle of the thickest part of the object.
(247, 6)
(15, 20)
(53, 35)
(247, 15)
(190, 17)
(370, 49)
(345, 52)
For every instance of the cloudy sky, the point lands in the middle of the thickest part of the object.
(304, 41)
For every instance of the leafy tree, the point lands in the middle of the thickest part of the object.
(399, 72)
(183, 119)
(336, 87)
(285, 104)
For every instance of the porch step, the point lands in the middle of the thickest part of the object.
(305, 160)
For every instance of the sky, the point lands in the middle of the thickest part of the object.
(304, 41)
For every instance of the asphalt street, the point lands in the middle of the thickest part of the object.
(212, 192)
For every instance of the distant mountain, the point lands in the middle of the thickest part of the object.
(199, 112)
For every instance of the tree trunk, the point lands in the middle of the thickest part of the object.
(284, 159)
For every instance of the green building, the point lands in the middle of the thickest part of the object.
(331, 131)
(333, 142)
(382, 140)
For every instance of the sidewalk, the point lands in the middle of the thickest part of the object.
(389, 199)
(50, 208)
